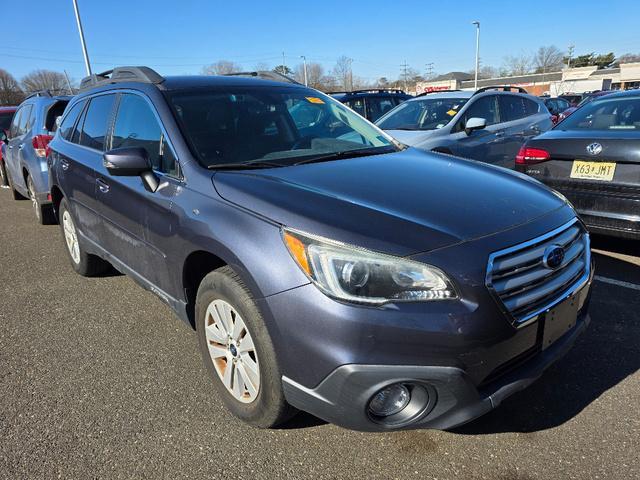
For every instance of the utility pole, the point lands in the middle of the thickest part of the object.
(351, 74)
(66, 75)
(284, 65)
(477, 24)
(304, 62)
(404, 67)
(81, 32)
(571, 48)
(430, 69)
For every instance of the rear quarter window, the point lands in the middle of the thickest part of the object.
(69, 121)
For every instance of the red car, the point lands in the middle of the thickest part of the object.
(6, 115)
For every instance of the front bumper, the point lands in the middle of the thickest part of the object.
(342, 397)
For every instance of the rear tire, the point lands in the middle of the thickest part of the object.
(232, 333)
(83, 263)
(3, 175)
(44, 213)
(14, 193)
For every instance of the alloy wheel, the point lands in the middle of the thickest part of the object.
(32, 196)
(232, 351)
(70, 236)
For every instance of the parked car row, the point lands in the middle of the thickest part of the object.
(326, 265)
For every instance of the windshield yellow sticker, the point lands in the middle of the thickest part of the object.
(452, 112)
(315, 100)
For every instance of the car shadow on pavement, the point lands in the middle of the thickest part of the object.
(606, 354)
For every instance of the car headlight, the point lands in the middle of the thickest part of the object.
(358, 275)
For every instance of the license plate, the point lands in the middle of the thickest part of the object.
(560, 319)
(602, 171)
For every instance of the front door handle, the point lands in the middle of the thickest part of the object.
(64, 164)
(21, 146)
(102, 185)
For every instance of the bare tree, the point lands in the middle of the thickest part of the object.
(262, 67)
(315, 72)
(548, 59)
(10, 91)
(222, 67)
(517, 64)
(343, 73)
(37, 80)
(628, 58)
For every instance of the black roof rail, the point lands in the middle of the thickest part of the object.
(121, 74)
(264, 75)
(371, 90)
(39, 93)
(438, 91)
(504, 88)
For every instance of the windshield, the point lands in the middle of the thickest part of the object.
(425, 114)
(605, 114)
(281, 126)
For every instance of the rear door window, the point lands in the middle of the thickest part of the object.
(357, 105)
(25, 120)
(69, 121)
(137, 126)
(96, 122)
(511, 108)
(13, 131)
(378, 106)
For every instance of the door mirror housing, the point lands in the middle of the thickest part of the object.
(131, 162)
(474, 123)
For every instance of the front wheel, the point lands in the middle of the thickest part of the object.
(83, 263)
(238, 352)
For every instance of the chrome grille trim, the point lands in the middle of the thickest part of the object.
(524, 287)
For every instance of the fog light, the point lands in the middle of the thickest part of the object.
(390, 400)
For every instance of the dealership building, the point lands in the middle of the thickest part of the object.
(569, 80)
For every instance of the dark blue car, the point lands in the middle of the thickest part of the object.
(324, 266)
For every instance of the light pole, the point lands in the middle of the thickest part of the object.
(477, 24)
(304, 62)
(82, 42)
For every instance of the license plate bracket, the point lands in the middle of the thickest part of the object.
(559, 320)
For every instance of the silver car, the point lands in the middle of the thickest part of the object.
(488, 125)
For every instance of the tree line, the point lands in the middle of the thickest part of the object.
(13, 92)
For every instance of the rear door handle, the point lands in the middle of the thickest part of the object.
(64, 164)
(21, 146)
(102, 185)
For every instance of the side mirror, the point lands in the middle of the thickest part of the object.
(131, 162)
(3, 136)
(474, 123)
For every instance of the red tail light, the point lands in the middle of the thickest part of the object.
(41, 144)
(529, 156)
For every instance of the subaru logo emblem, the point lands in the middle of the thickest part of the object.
(594, 148)
(553, 256)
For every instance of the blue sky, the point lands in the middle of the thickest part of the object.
(180, 37)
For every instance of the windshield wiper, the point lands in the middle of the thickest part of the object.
(244, 165)
(347, 154)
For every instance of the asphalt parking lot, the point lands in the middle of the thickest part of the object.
(98, 379)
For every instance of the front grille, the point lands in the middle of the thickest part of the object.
(526, 286)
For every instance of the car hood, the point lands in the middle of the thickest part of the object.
(400, 203)
(411, 137)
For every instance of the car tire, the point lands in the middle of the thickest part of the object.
(239, 356)
(44, 213)
(82, 262)
(3, 175)
(14, 193)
